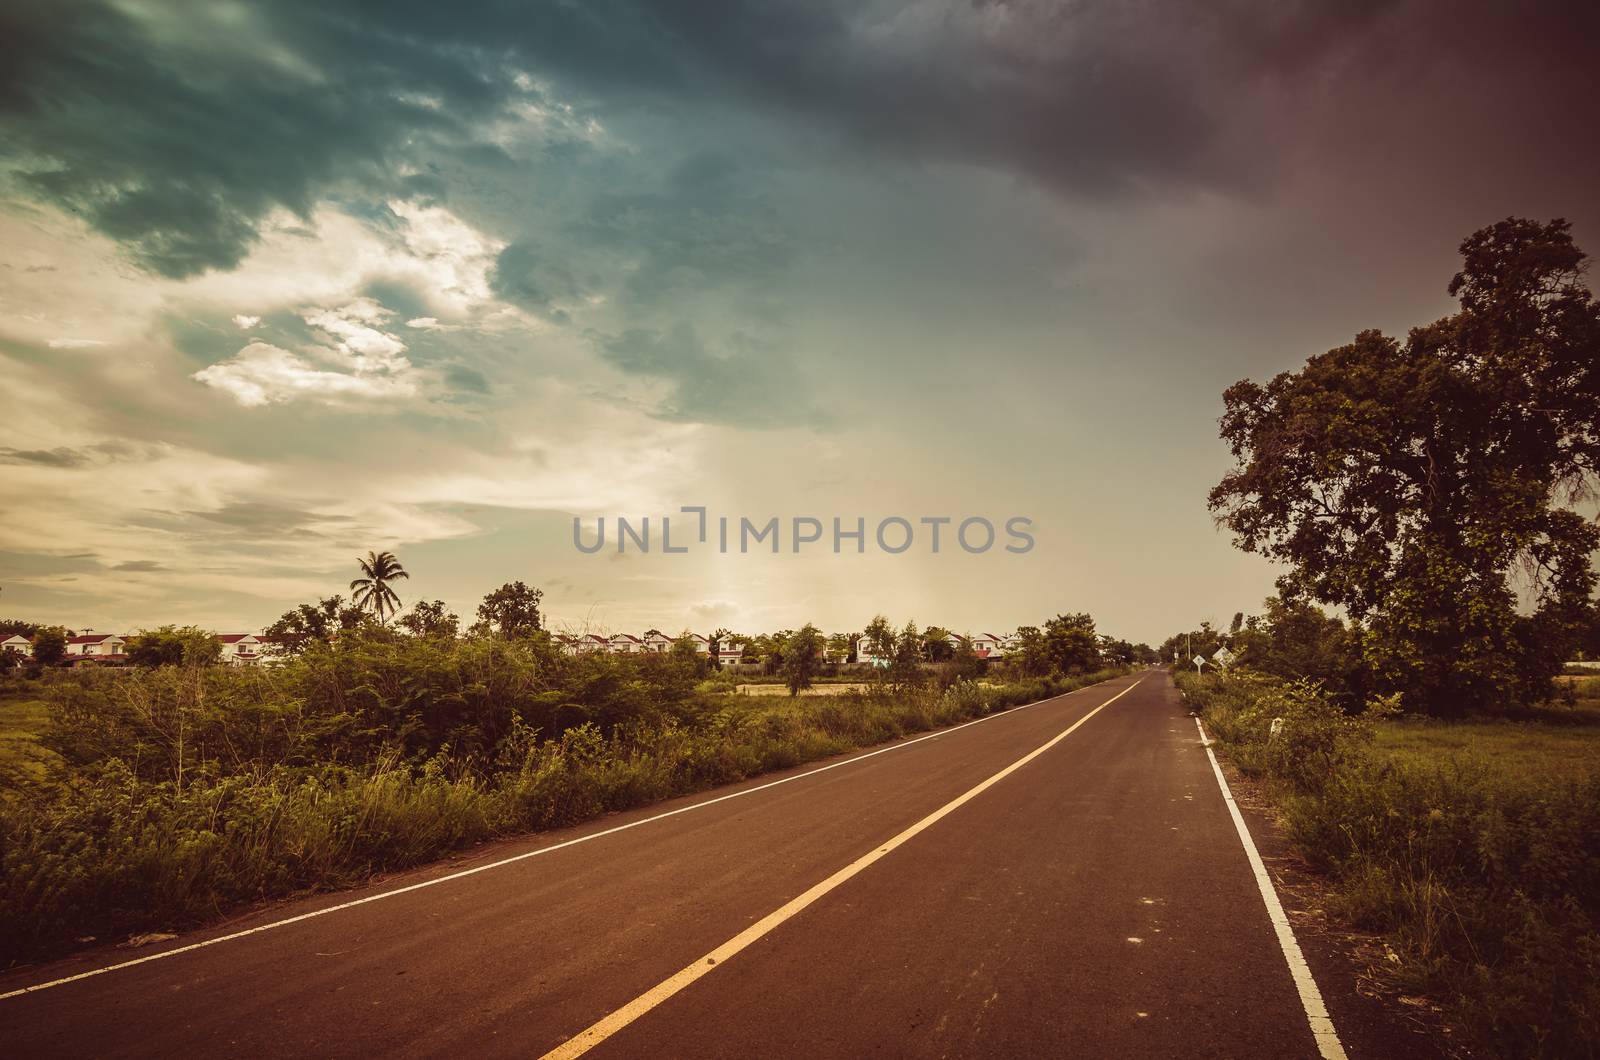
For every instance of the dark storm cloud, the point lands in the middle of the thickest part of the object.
(526, 276)
(706, 225)
(45, 564)
(61, 456)
(748, 386)
(176, 133)
(139, 566)
(72, 457)
(177, 130)
(466, 380)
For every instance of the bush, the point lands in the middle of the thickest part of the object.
(188, 791)
(1486, 884)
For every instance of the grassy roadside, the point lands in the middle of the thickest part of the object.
(23, 717)
(1473, 847)
(114, 854)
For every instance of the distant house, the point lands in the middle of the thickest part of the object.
(729, 651)
(19, 644)
(97, 647)
(701, 644)
(240, 648)
(989, 646)
(657, 642)
(864, 653)
(589, 642)
(625, 644)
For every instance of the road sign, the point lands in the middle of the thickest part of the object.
(1223, 658)
(1199, 661)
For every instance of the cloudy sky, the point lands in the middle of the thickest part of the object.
(284, 281)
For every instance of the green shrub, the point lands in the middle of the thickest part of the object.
(234, 786)
(1486, 883)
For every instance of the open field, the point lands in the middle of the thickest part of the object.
(22, 718)
(1554, 746)
(1557, 741)
(815, 690)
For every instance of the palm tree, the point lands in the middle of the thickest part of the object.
(373, 592)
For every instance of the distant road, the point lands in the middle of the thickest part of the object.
(1061, 880)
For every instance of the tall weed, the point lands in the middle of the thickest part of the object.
(190, 824)
(1486, 883)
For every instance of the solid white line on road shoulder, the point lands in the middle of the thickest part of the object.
(616, 1021)
(1328, 1044)
(164, 954)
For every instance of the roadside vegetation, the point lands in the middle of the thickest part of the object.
(1425, 748)
(156, 797)
(1473, 848)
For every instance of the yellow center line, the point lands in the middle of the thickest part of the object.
(616, 1021)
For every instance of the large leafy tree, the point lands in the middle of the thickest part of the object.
(372, 591)
(512, 610)
(174, 646)
(905, 662)
(1589, 639)
(430, 619)
(880, 639)
(802, 658)
(1295, 638)
(1029, 656)
(49, 645)
(310, 623)
(842, 646)
(936, 646)
(1070, 643)
(1425, 485)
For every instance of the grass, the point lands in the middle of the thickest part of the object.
(1566, 747)
(1473, 847)
(1560, 740)
(22, 719)
(769, 689)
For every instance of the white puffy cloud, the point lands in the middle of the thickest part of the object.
(263, 374)
(360, 362)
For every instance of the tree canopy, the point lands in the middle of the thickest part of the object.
(1426, 485)
(803, 658)
(49, 645)
(174, 646)
(313, 623)
(512, 610)
(429, 619)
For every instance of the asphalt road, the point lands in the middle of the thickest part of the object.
(1095, 901)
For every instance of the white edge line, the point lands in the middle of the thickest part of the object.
(1328, 1044)
(610, 1024)
(91, 973)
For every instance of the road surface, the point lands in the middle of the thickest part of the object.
(1004, 888)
